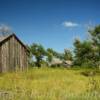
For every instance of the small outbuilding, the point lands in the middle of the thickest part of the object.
(67, 63)
(13, 54)
(55, 62)
(59, 62)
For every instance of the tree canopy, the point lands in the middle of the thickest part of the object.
(87, 52)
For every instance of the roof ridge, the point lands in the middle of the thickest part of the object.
(13, 34)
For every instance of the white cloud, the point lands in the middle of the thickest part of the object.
(4, 29)
(70, 24)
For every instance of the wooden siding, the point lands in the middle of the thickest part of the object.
(13, 56)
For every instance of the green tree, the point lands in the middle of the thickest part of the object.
(52, 53)
(85, 53)
(39, 52)
(95, 37)
(49, 54)
(88, 51)
(67, 54)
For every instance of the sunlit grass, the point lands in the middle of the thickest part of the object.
(49, 84)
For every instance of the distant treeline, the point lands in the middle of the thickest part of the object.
(85, 54)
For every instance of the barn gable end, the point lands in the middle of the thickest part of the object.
(13, 54)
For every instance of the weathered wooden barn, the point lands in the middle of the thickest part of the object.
(13, 54)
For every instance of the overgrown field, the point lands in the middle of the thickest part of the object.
(49, 84)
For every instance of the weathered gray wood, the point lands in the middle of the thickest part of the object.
(13, 55)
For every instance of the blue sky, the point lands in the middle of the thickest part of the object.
(53, 23)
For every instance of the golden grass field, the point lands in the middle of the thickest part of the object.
(49, 84)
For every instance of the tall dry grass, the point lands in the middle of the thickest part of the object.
(49, 84)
